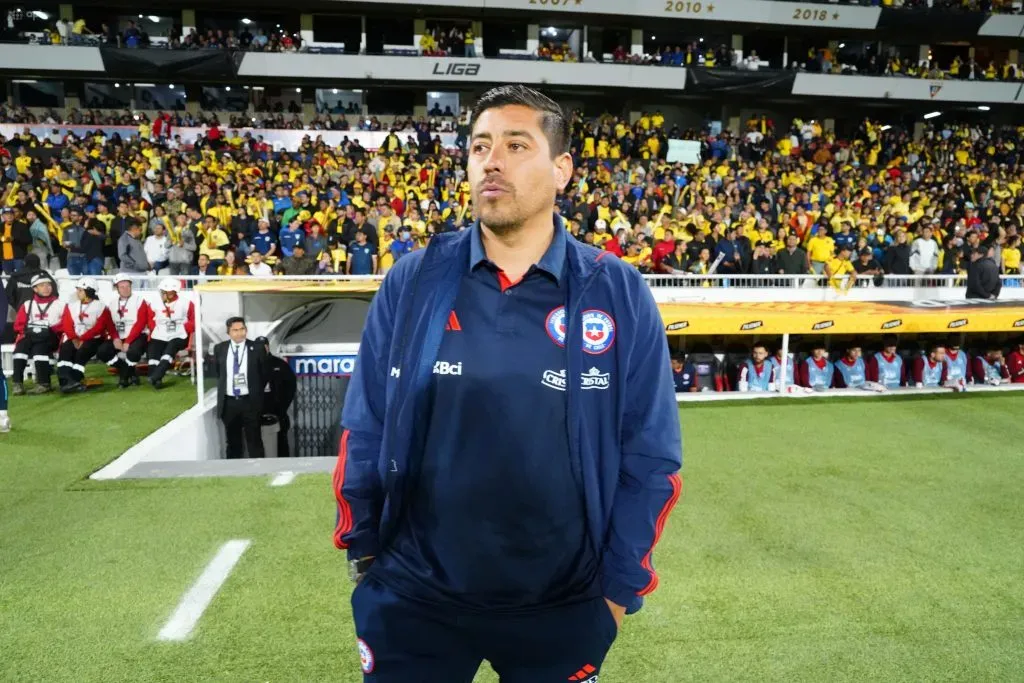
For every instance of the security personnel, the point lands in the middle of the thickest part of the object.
(817, 371)
(172, 320)
(850, 371)
(37, 330)
(129, 316)
(756, 373)
(516, 525)
(86, 326)
(278, 395)
(242, 370)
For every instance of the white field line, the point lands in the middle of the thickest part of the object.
(283, 479)
(201, 594)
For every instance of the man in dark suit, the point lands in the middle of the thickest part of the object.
(280, 392)
(242, 371)
(983, 276)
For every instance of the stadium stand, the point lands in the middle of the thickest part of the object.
(240, 174)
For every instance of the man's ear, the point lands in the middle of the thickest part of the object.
(563, 171)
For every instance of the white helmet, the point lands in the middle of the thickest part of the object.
(122, 277)
(170, 284)
(86, 283)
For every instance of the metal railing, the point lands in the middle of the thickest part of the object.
(654, 281)
(807, 281)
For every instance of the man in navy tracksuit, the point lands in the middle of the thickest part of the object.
(511, 442)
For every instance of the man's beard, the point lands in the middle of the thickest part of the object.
(504, 220)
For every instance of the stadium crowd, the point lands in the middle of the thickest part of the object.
(790, 200)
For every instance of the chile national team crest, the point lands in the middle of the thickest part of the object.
(555, 325)
(598, 331)
(365, 656)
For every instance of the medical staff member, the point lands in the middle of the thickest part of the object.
(86, 325)
(172, 320)
(511, 440)
(129, 315)
(37, 330)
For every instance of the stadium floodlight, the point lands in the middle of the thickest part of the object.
(298, 90)
(842, 45)
(171, 86)
(140, 16)
(117, 85)
(227, 88)
(654, 37)
(983, 107)
(885, 128)
(932, 115)
(246, 20)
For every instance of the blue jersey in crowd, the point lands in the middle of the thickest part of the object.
(263, 241)
(360, 258)
(290, 239)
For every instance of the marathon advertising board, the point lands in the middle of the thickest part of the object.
(322, 365)
(863, 317)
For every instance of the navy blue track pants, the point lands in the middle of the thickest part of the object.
(405, 641)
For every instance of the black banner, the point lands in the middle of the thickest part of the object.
(159, 64)
(931, 24)
(738, 82)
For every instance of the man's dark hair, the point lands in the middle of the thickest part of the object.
(553, 121)
(234, 319)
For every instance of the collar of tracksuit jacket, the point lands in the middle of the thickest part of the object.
(419, 329)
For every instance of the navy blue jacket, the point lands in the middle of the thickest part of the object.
(625, 443)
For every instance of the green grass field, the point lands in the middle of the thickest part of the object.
(841, 540)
